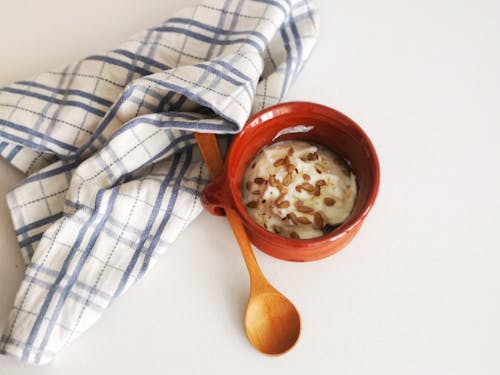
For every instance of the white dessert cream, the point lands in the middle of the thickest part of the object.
(298, 189)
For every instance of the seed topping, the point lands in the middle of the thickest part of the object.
(252, 204)
(318, 220)
(283, 204)
(303, 220)
(329, 201)
(259, 180)
(305, 209)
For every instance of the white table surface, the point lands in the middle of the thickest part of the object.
(416, 292)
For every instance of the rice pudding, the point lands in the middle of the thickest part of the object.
(298, 189)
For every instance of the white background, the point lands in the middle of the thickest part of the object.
(416, 292)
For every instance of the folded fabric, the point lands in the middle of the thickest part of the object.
(114, 174)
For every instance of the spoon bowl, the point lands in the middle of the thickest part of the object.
(272, 323)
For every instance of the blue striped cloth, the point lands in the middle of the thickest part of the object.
(113, 171)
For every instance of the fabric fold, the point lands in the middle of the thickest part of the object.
(113, 171)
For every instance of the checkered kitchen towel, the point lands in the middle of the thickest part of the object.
(113, 171)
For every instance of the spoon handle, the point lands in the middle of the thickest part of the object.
(213, 158)
(211, 153)
(257, 278)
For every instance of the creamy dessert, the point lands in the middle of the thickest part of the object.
(298, 189)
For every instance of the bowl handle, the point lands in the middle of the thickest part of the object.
(216, 197)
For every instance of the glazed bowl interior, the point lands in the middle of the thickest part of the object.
(313, 123)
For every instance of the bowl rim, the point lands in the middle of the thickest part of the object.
(345, 227)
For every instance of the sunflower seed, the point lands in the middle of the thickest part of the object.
(305, 209)
(318, 220)
(303, 220)
(259, 180)
(279, 199)
(283, 204)
(279, 162)
(307, 187)
(272, 181)
(252, 204)
(292, 217)
(317, 191)
(319, 168)
(287, 180)
(329, 201)
(312, 156)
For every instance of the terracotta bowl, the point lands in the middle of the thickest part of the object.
(307, 122)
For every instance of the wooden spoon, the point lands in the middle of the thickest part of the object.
(272, 322)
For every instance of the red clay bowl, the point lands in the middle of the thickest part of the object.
(307, 122)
